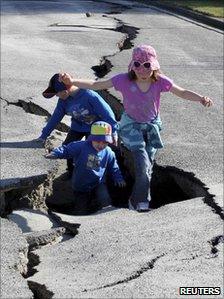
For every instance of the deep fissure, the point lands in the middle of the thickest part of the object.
(39, 290)
(38, 239)
(29, 192)
(130, 33)
(33, 261)
(30, 107)
(214, 243)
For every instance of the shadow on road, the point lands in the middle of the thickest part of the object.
(22, 144)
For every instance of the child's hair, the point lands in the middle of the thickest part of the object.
(132, 76)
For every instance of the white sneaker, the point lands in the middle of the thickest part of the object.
(143, 207)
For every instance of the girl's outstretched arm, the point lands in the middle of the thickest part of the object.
(191, 95)
(67, 79)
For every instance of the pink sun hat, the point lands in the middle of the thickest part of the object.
(142, 54)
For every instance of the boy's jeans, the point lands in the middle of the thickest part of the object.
(91, 201)
(143, 173)
(73, 136)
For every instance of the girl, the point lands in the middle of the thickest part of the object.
(140, 123)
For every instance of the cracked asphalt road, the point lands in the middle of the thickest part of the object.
(118, 253)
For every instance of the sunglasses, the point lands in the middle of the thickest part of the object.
(147, 65)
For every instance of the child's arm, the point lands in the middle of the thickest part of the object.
(191, 96)
(56, 117)
(65, 151)
(85, 84)
(60, 152)
(50, 156)
(114, 170)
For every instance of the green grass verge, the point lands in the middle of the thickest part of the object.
(213, 8)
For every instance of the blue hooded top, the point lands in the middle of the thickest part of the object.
(85, 107)
(90, 165)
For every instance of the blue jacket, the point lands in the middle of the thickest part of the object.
(84, 107)
(90, 165)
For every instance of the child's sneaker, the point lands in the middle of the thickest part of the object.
(143, 207)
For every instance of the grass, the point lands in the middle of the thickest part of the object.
(214, 8)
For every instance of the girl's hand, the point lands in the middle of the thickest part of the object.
(206, 101)
(66, 78)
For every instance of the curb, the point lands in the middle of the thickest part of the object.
(214, 22)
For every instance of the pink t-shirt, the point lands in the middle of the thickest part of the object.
(141, 106)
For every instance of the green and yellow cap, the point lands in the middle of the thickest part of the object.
(101, 131)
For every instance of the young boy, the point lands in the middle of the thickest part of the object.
(93, 159)
(84, 107)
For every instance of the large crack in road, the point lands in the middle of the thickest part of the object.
(169, 184)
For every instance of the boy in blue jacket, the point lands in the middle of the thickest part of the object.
(93, 159)
(84, 107)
